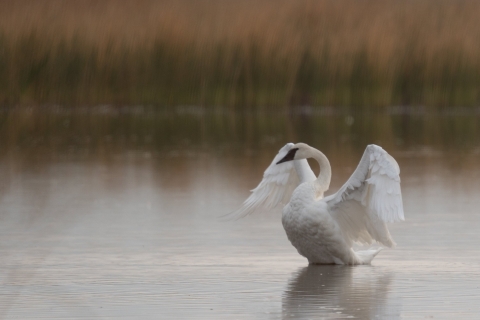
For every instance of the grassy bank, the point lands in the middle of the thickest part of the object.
(242, 53)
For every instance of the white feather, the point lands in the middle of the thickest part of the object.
(277, 184)
(369, 199)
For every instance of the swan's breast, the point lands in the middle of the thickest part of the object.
(306, 218)
(309, 227)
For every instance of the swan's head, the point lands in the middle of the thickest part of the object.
(297, 152)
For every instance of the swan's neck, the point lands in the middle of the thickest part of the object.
(322, 183)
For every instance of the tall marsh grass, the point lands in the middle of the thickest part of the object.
(247, 53)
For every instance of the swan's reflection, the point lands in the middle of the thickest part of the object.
(339, 292)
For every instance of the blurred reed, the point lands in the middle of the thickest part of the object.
(251, 54)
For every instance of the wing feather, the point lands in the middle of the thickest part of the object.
(277, 184)
(370, 198)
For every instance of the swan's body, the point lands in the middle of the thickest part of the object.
(323, 229)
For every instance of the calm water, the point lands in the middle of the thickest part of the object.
(107, 214)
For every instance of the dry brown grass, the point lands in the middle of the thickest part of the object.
(241, 52)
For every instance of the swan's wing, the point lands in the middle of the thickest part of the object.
(369, 199)
(277, 185)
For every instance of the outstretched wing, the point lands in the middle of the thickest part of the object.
(277, 185)
(369, 199)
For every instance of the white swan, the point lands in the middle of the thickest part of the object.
(323, 230)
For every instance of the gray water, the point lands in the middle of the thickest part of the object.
(116, 215)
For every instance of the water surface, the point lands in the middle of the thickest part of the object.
(108, 214)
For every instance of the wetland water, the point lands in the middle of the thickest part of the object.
(108, 213)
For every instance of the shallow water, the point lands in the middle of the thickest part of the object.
(121, 221)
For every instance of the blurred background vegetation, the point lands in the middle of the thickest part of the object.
(240, 54)
(108, 75)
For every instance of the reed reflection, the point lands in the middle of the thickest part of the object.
(338, 292)
(105, 130)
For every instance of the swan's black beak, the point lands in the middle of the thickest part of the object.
(289, 156)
